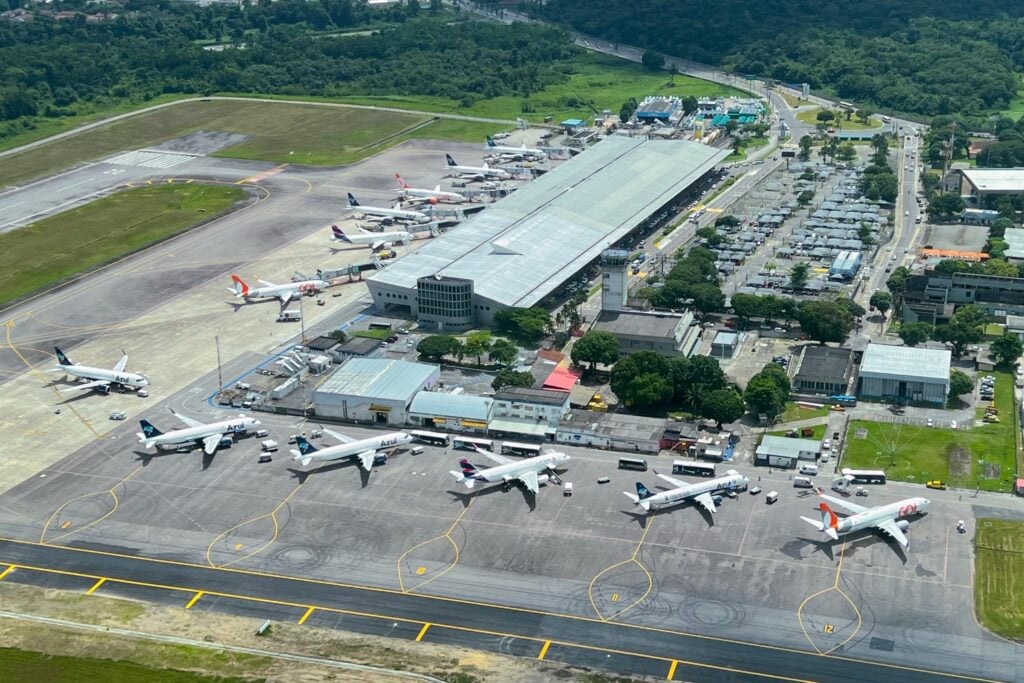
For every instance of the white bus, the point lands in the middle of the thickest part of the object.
(431, 438)
(465, 443)
(700, 469)
(864, 476)
(524, 450)
(846, 105)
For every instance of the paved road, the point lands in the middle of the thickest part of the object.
(585, 641)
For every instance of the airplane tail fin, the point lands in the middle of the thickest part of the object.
(305, 447)
(240, 288)
(401, 183)
(642, 491)
(451, 162)
(352, 200)
(490, 142)
(339, 234)
(829, 521)
(62, 357)
(148, 433)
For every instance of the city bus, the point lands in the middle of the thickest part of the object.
(864, 476)
(465, 443)
(432, 438)
(637, 464)
(844, 399)
(700, 469)
(846, 105)
(524, 450)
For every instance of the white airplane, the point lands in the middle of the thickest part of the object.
(363, 451)
(700, 492)
(527, 471)
(196, 432)
(885, 518)
(432, 196)
(101, 378)
(394, 212)
(376, 240)
(477, 172)
(271, 291)
(518, 152)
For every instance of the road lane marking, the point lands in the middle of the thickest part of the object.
(95, 586)
(302, 619)
(672, 670)
(423, 632)
(544, 650)
(194, 600)
(10, 568)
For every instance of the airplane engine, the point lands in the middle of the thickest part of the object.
(103, 390)
(903, 525)
(543, 479)
(433, 201)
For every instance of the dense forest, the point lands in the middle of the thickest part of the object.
(921, 56)
(56, 68)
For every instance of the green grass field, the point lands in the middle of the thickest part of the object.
(749, 145)
(795, 412)
(21, 665)
(811, 116)
(53, 249)
(999, 576)
(983, 456)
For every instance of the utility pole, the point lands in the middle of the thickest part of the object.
(220, 374)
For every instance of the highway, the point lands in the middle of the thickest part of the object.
(582, 641)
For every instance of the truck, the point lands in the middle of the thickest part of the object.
(268, 446)
(289, 316)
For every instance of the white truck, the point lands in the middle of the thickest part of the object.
(289, 316)
(268, 446)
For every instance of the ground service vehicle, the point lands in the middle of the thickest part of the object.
(637, 464)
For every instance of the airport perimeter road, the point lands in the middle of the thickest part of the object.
(579, 641)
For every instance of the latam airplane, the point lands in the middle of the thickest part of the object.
(527, 471)
(518, 152)
(432, 196)
(700, 492)
(209, 435)
(885, 518)
(101, 379)
(362, 451)
(269, 290)
(476, 172)
(376, 240)
(394, 212)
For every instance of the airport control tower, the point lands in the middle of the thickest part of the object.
(614, 279)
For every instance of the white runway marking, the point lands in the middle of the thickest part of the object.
(148, 159)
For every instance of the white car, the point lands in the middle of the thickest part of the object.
(931, 422)
(953, 425)
(826, 445)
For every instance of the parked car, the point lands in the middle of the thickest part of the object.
(936, 484)
(931, 422)
(118, 415)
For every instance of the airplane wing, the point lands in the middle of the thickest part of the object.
(678, 483)
(706, 501)
(500, 459)
(188, 421)
(846, 505)
(285, 297)
(366, 459)
(340, 437)
(121, 364)
(889, 527)
(264, 282)
(211, 442)
(529, 479)
(378, 245)
(88, 385)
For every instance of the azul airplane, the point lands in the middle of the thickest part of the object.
(196, 432)
(271, 291)
(517, 152)
(362, 451)
(394, 212)
(476, 172)
(507, 471)
(376, 240)
(431, 196)
(885, 518)
(700, 492)
(100, 379)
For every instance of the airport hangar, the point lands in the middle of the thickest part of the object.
(524, 248)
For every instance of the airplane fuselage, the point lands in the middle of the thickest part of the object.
(422, 193)
(681, 495)
(518, 151)
(128, 379)
(871, 518)
(506, 473)
(291, 288)
(353, 448)
(238, 425)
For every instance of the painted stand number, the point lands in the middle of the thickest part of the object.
(421, 570)
(829, 628)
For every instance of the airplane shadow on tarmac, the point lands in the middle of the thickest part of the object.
(302, 475)
(865, 538)
(466, 497)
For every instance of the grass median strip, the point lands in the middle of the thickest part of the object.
(999, 582)
(56, 248)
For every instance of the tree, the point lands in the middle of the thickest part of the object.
(851, 306)
(437, 346)
(652, 61)
(707, 298)
(945, 206)
(727, 220)
(825, 115)
(846, 152)
(528, 325)
(722, 405)
(805, 197)
(825, 321)
(1006, 349)
(864, 234)
(710, 235)
(881, 300)
(731, 125)
(642, 380)
(913, 334)
(595, 347)
(880, 145)
(477, 344)
(959, 335)
(806, 142)
(746, 306)
(959, 383)
(695, 377)
(503, 351)
(898, 279)
(763, 396)
(999, 227)
(798, 275)
(511, 378)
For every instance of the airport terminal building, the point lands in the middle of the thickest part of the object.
(524, 248)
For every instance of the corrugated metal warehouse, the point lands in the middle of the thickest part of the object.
(904, 373)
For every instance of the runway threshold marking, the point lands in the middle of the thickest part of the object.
(497, 634)
(423, 632)
(544, 650)
(194, 600)
(4, 573)
(302, 619)
(672, 670)
(95, 586)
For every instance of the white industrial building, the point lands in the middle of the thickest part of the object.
(616, 431)
(782, 451)
(373, 390)
(529, 412)
(904, 373)
(455, 412)
(525, 247)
